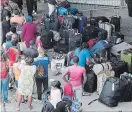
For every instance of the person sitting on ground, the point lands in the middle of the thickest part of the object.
(55, 96)
(5, 27)
(31, 51)
(83, 54)
(16, 73)
(76, 73)
(41, 77)
(12, 31)
(29, 31)
(26, 82)
(8, 43)
(17, 19)
(13, 52)
(4, 76)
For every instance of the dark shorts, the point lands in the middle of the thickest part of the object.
(16, 83)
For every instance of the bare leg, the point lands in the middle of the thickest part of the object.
(29, 103)
(18, 102)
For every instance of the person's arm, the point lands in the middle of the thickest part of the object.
(88, 57)
(65, 74)
(84, 77)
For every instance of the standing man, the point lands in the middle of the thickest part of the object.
(35, 7)
(29, 4)
(51, 5)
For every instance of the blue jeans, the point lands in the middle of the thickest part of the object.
(4, 88)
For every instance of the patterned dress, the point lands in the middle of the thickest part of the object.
(26, 80)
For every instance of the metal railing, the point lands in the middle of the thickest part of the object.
(91, 6)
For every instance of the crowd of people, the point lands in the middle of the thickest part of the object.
(24, 60)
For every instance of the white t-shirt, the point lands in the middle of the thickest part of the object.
(55, 97)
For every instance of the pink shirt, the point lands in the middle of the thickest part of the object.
(76, 73)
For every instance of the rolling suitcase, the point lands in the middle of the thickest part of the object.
(119, 67)
(117, 22)
(110, 28)
(73, 39)
(111, 92)
(127, 57)
(91, 84)
(126, 95)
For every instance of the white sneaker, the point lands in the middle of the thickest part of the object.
(33, 11)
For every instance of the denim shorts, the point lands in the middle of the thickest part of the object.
(16, 83)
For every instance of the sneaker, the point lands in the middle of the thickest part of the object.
(33, 11)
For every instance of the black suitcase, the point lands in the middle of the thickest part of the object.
(89, 32)
(117, 22)
(91, 84)
(119, 67)
(126, 95)
(61, 48)
(73, 40)
(110, 94)
(47, 39)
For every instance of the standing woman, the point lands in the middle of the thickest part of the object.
(29, 30)
(4, 76)
(25, 82)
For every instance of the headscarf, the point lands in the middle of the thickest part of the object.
(28, 19)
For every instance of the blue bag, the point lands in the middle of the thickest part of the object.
(73, 11)
(98, 47)
(76, 106)
(62, 11)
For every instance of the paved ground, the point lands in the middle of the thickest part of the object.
(96, 106)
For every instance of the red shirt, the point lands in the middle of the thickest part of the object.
(13, 53)
(3, 70)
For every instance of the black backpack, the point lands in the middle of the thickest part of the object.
(47, 39)
(91, 84)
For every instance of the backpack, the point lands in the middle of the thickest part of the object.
(76, 106)
(40, 70)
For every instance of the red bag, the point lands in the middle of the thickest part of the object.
(92, 42)
(60, 18)
(68, 90)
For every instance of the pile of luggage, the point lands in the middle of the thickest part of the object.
(68, 28)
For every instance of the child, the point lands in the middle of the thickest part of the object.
(16, 73)
(8, 43)
(38, 42)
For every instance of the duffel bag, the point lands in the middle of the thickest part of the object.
(111, 92)
(73, 11)
(98, 47)
(62, 11)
